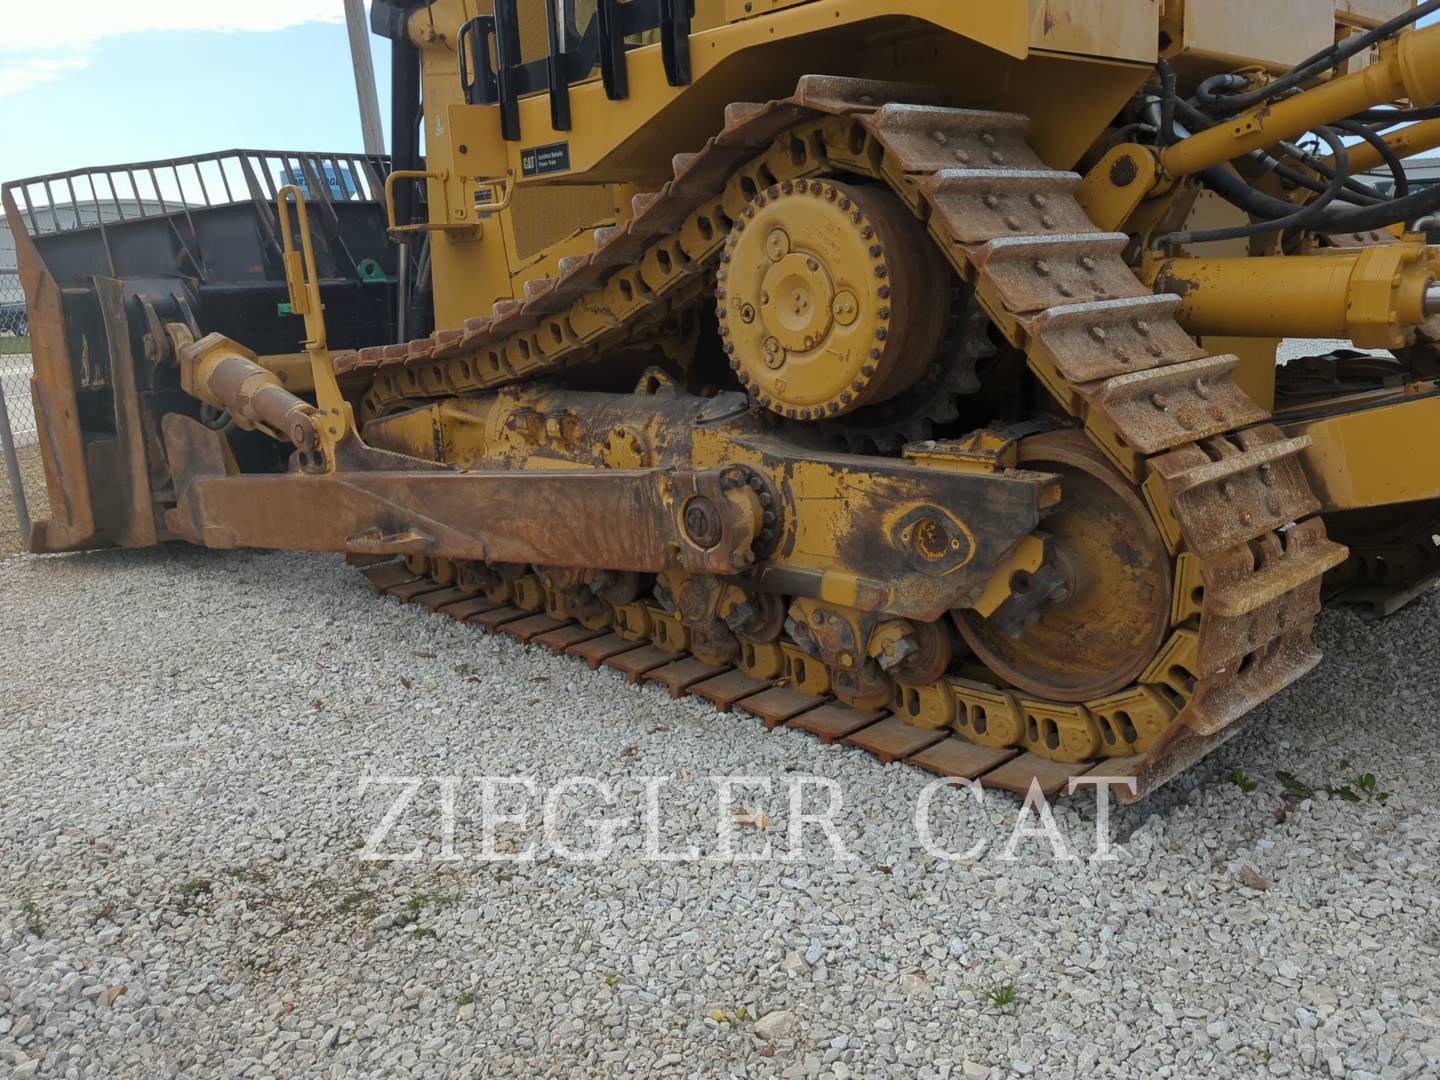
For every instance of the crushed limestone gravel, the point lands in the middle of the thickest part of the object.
(183, 891)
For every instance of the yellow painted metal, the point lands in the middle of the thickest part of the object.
(1411, 69)
(931, 706)
(1117, 183)
(1002, 53)
(1217, 35)
(1373, 296)
(804, 672)
(830, 298)
(736, 10)
(225, 375)
(1061, 732)
(633, 139)
(1368, 13)
(1132, 720)
(761, 659)
(292, 369)
(986, 714)
(335, 416)
(1255, 373)
(463, 222)
(1374, 455)
(1406, 142)
(1026, 558)
(1120, 29)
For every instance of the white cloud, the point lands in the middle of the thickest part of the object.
(25, 72)
(31, 27)
(30, 54)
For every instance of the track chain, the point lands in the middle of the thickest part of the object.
(1225, 487)
(876, 731)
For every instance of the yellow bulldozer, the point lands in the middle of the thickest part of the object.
(904, 371)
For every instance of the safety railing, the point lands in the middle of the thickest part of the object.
(95, 197)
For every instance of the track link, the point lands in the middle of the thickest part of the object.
(877, 731)
(1226, 489)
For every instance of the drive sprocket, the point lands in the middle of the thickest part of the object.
(830, 297)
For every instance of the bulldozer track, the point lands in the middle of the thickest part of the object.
(1225, 488)
(879, 732)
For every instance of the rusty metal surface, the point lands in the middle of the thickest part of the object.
(634, 663)
(780, 704)
(1254, 594)
(893, 739)
(468, 609)
(1217, 712)
(436, 600)
(618, 519)
(407, 591)
(1232, 489)
(977, 205)
(598, 650)
(681, 675)
(1162, 407)
(71, 525)
(1032, 273)
(727, 690)
(497, 617)
(835, 721)
(836, 94)
(563, 637)
(387, 575)
(960, 758)
(1019, 774)
(1100, 340)
(1221, 701)
(925, 139)
(1114, 577)
(531, 627)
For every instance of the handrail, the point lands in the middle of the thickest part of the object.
(504, 189)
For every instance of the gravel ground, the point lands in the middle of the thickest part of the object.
(182, 891)
(1294, 348)
(37, 500)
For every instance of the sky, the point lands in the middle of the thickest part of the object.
(166, 78)
(119, 81)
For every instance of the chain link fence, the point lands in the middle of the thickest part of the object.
(15, 370)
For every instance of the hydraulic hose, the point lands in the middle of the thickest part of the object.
(1384, 149)
(1303, 217)
(1210, 98)
(1229, 185)
(1387, 118)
